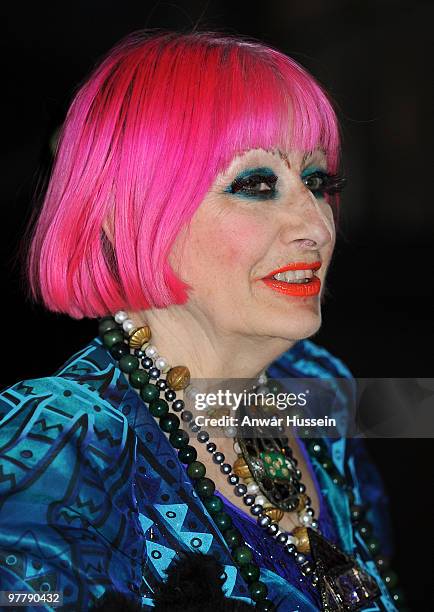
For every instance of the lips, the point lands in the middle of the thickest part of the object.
(310, 288)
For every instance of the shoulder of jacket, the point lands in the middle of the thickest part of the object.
(44, 417)
(306, 358)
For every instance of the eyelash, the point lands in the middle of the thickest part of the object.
(332, 183)
(244, 184)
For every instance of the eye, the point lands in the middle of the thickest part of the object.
(256, 184)
(320, 182)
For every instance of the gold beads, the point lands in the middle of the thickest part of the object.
(275, 514)
(303, 544)
(241, 468)
(139, 337)
(178, 377)
(302, 502)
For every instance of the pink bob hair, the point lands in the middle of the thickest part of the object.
(142, 143)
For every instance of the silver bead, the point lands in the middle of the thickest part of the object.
(218, 457)
(264, 521)
(300, 558)
(191, 392)
(249, 499)
(263, 389)
(230, 432)
(273, 529)
(306, 568)
(240, 490)
(256, 509)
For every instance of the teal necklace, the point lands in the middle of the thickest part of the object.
(341, 583)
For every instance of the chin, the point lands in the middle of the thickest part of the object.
(305, 326)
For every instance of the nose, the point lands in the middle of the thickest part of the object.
(308, 223)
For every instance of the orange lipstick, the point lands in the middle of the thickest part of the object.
(309, 288)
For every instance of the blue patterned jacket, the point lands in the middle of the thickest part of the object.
(93, 497)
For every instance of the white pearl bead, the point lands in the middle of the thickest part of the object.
(237, 448)
(252, 488)
(120, 317)
(260, 499)
(151, 351)
(304, 519)
(262, 379)
(230, 432)
(128, 326)
(161, 363)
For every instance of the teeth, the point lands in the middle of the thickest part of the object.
(294, 276)
(286, 276)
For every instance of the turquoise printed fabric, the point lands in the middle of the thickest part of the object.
(92, 496)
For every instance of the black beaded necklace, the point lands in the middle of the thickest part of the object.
(342, 584)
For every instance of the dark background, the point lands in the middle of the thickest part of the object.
(374, 58)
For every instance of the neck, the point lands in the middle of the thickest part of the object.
(186, 338)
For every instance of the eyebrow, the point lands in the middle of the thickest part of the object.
(304, 158)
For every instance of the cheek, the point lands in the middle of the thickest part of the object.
(235, 244)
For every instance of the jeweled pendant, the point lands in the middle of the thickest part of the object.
(343, 585)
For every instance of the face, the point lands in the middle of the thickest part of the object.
(265, 213)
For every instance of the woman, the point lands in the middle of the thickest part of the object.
(192, 209)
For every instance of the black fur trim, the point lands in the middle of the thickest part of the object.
(194, 584)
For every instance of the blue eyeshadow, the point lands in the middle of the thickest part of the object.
(263, 171)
